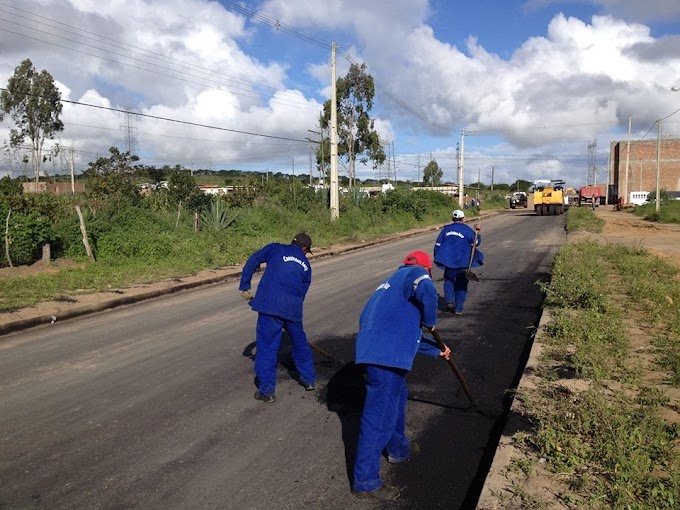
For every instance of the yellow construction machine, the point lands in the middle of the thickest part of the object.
(548, 197)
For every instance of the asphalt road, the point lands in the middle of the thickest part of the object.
(151, 405)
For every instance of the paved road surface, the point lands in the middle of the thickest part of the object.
(150, 406)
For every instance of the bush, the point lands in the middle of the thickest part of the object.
(132, 232)
(27, 234)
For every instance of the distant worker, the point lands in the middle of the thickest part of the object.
(278, 301)
(452, 253)
(390, 335)
(594, 198)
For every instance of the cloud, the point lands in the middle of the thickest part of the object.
(646, 11)
(202, 63)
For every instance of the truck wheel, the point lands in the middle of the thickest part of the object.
(551, 210)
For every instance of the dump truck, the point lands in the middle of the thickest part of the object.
(587, 195)
(548, 197)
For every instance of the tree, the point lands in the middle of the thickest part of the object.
(520, 185)
(33, 102)
(10, 187)
(111, 180)
(357, 137)
(183, 191)
(432, 175)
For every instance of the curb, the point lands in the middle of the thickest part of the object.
(489, 498)
(46, 318)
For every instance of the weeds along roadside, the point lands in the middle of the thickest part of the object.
(143, 243)
(604, 414)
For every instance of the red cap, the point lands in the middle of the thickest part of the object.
(418, 258)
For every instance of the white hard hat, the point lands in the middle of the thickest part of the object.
(458, 214)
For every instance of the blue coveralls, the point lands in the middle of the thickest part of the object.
(389, 337)
(452, 254)
(279, 302)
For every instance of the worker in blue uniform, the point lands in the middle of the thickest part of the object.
(452, 252)
(390, 335)
(279, 301)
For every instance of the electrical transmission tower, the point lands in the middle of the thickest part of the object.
(591, 176)
(130, 131)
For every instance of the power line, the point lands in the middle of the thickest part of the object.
(167, 119)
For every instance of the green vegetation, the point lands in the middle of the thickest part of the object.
(669, 210)
(139, 239)
(33, 102)
(583, 218)
(599, 420)
(357, 138)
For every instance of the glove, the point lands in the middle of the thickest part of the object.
(245, 294)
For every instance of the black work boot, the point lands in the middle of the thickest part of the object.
(415, 450)
(382, 493)
(265, 398)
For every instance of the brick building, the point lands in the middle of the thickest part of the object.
(642, 161)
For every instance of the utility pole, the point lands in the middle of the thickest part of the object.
(394, 162)
(625, 179)
(493, 169)
(461, 179)
(310, 164)
(658, 164)
(592, 164)
(418, 175)
(310, 153)
(335, 202)
(461, 175)
(458, 166)
(73, 181)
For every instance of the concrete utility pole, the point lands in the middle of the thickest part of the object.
(310, 153)
(461, 175)
(73, 179)
(625, 180)
(658, 165)
(493, 169)
(418, 178)
(335, 199)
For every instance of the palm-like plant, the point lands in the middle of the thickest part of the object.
(216, 217)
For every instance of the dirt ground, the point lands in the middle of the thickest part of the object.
(501, 487)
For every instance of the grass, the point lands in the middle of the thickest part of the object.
(181, 252)
(602, 431)
(669, 211)
(583, 218)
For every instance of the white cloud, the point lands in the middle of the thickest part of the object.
(192, 60)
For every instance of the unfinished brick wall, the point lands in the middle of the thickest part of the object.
(642, 166)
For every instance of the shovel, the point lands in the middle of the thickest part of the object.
(456, 371)
(468, 273)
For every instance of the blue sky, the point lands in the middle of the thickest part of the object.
(535, 82)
